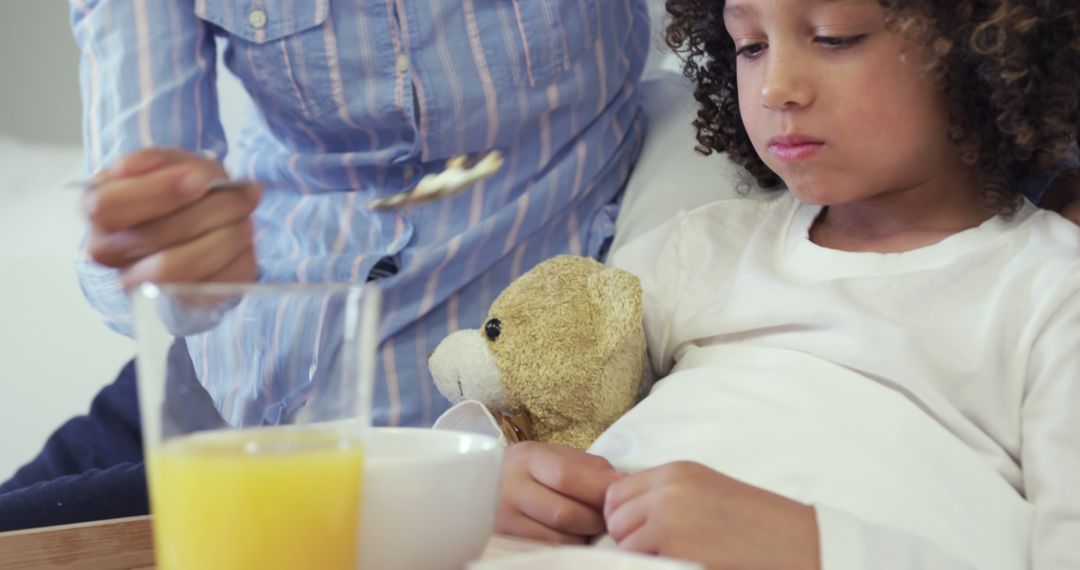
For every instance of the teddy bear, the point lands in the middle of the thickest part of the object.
(560, 357)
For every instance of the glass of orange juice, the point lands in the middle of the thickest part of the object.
(255, 405)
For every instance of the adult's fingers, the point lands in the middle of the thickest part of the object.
(143, 161)
(192, 261)
(218, 209)
(124, 203)
(243, 268)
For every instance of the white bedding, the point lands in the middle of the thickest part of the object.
(829, 437)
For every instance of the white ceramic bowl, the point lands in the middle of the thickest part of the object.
(429, 498)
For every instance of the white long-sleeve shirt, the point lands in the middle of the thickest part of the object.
(980, 333)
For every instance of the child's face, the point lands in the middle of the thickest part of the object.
(839, 107)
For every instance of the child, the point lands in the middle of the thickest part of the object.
(881, 367)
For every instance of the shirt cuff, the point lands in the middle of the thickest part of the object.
(850, 543)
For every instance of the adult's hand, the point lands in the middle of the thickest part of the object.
(153, 217)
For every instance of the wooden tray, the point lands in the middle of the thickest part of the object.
(127, 544)
(118, 544)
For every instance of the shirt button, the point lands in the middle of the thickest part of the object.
(402, 63)
(257, 19)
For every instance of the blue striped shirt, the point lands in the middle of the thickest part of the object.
(359, 99)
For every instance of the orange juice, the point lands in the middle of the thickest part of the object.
(266, 498)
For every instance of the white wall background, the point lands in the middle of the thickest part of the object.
(54, 353)
(39, 82)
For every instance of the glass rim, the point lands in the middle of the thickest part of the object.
(153, 290)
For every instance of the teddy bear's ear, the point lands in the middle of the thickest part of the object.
(616, 294)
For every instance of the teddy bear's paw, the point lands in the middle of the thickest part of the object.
(470, 416)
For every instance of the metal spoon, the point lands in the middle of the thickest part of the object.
(460, 174)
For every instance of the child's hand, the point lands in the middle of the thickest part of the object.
(153, 218)
(688, 511)
(552, 493)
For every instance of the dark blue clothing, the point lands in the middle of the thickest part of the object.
(92, 467)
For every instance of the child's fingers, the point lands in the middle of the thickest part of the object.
(626, 489)
(557, 512)
(538, 484)
(574, 474)
(627, 518)
(642, 540)
(525, 527)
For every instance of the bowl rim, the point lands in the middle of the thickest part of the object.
(482, 446)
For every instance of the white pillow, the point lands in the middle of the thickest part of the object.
(670, 175)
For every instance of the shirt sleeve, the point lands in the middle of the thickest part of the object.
(656, 257)
(850, 543)
(147, 75)
(1049, 456)
(1050, 432)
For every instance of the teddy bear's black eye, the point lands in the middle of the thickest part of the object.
(492, 329)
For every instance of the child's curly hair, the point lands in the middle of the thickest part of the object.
(1010, 69)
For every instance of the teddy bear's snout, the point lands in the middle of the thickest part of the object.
(464, 369)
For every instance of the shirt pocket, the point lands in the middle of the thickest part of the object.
(278, 51)
(532, 43)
